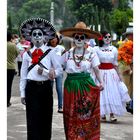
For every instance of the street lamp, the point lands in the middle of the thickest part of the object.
(52, 13)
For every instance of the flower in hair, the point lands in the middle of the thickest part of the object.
(100, 38)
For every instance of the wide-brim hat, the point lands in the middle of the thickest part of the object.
(81, 28)
(129, 31)
(31, 24)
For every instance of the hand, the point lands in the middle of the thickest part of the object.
(101, 87)
(52, 74)
(131, 72)
(120, 78)
(23, 101)
(40, 70)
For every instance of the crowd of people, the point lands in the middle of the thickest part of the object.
(93, 89)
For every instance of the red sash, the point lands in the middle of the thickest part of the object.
(106, 66)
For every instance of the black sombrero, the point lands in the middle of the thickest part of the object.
(31, 24)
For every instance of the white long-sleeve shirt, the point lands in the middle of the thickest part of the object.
(49, 61)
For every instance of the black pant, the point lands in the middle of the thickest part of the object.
(19, 67)
(10, 77)
(39, 110)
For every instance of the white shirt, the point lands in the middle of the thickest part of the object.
(49, 61)
(59, 49)
(21, 48)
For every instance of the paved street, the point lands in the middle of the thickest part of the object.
(121, 130)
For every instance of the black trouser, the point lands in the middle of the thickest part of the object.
(39, 110)
(19, 67)
(10, 77)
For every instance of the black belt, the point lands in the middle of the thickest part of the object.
(37, 82)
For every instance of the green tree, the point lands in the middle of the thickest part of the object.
(9, 22)
(119, 21)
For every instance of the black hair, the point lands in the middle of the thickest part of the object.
(9, 36)
(101, 42)
(49, 42)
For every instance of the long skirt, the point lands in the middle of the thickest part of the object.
(81, 108)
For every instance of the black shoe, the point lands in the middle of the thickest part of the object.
(15, 72)
(9, 104)
(130, 110)
(60, 110)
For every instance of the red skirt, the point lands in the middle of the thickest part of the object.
(81, 108)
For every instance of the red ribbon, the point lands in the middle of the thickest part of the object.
(36, 55)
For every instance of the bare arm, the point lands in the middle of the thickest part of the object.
(98, 75)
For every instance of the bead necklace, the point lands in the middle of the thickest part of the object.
(80, 58)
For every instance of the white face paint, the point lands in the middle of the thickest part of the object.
(107, 39)
(79, 40)
(37, 37)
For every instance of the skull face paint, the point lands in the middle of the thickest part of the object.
(37, 37)
(79, 40)
(107, 39)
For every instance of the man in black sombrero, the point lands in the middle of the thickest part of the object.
(36, 72)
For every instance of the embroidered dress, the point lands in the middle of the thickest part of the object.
(111, 99)
(81, 98)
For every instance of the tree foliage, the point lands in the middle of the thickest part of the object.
(68, 12)
(119, 21)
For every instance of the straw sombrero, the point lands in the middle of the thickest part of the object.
(29, 25)
(81, 28)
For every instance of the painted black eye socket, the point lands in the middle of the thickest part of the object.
(35, 34)
(82, 37)
(40, 34)
(107, 37)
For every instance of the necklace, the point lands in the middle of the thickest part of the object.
(80, 58)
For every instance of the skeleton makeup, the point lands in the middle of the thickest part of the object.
(37, 31)
(37, 37)
(79, 40)
(107, 39)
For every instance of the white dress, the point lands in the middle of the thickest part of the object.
(112, 99)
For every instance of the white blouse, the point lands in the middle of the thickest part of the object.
(90, 60)
(107, 54)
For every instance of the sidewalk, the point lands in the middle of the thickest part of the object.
(16, 126)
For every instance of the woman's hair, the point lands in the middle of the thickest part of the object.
(9, 36)
(49, 42)
(67, 42)
(100, 41)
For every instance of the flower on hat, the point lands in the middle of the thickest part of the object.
(125, 52)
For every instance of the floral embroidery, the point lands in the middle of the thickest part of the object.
(83, 108)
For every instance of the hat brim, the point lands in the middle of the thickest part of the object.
(71, 31)
(29, 25)
(127, 33)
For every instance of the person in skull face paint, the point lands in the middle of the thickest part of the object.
(81, 96)
(35, 83)
(115, 94)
